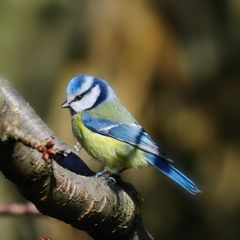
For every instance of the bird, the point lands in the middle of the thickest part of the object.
(110, 134)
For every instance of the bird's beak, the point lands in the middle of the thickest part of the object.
(65, 104)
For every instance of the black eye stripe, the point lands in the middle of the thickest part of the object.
(77, 98)
(80, 96)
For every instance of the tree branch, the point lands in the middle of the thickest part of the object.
(64, 187)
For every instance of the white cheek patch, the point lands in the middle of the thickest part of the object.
(87, 101)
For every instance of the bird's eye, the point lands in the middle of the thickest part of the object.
(78, 97)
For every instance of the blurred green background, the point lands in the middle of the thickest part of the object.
(175, 65)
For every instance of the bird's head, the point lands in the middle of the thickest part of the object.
(85, 92)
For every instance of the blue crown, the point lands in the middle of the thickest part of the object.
(75, 83)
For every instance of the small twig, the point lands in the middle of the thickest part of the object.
(44, 238)
(19, 209)
(43, 147)
(46, 149)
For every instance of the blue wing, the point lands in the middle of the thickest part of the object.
(131, 133)
(135, 135)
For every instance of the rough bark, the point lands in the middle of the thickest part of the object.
(64, 187)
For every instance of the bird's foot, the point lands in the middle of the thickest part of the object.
(106, 175)
(77, 146)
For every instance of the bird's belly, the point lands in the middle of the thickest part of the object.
(116, 155)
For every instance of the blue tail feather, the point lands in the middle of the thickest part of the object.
(173, 173)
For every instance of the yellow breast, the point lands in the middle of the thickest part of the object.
(115, 154)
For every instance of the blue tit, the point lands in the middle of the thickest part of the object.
(110, 134)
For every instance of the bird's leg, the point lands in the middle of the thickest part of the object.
(77, 146)
(106, 175)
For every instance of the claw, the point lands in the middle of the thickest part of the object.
(77, 146)
(112, 180)
(106, 175)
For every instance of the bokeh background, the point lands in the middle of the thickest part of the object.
(175, 65)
